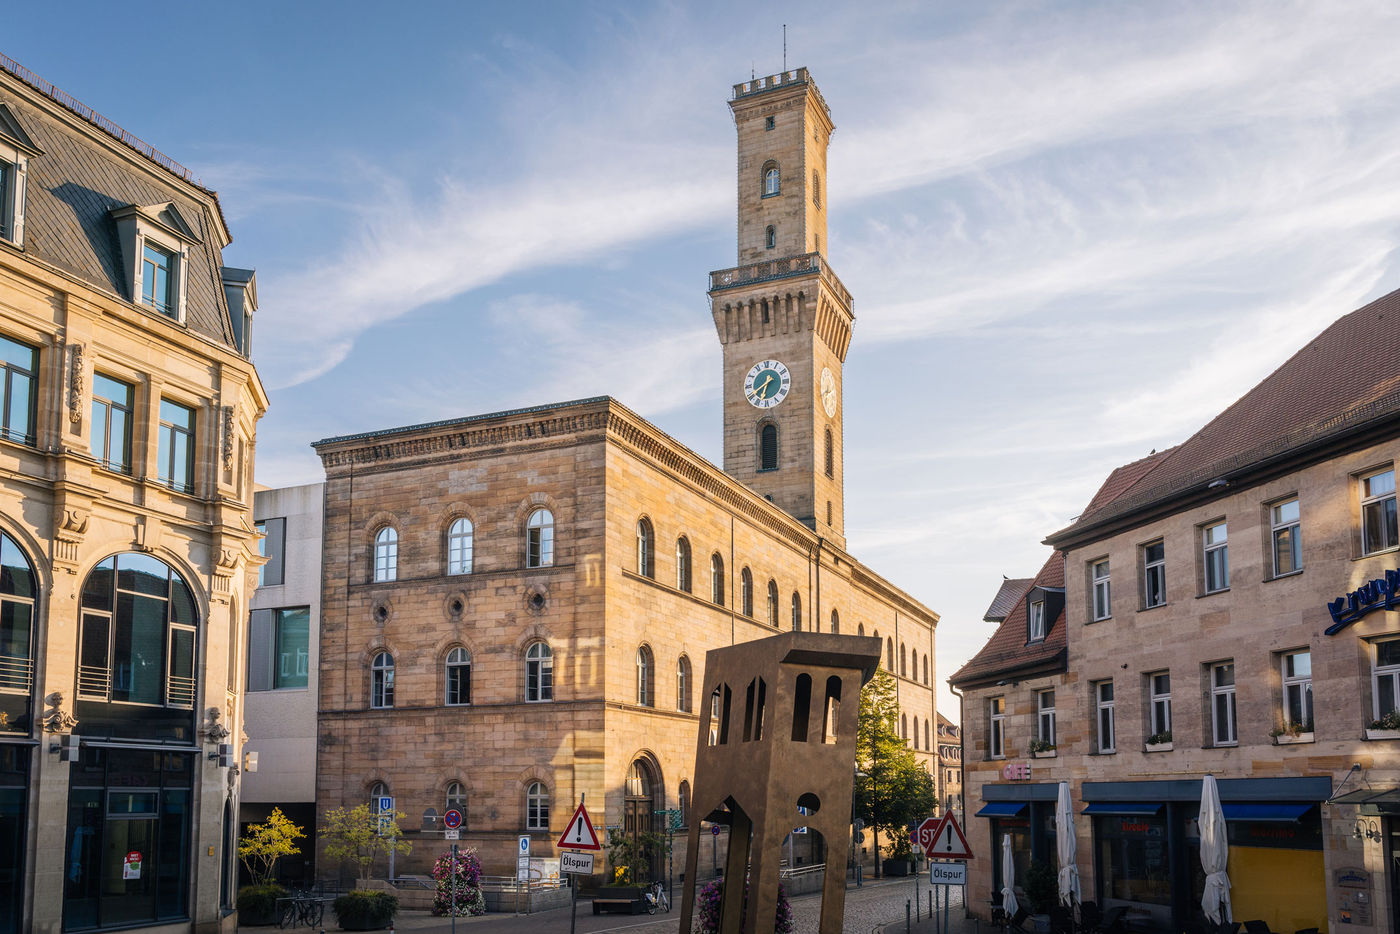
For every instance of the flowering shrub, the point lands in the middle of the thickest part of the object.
(707, 904)
(470, 901)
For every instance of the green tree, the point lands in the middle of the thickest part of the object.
(264, 844)
(892, 789)
(354, 836)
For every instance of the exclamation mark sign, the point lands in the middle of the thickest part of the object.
(949, 847)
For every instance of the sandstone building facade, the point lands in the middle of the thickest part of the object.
(1228, 609)
(126, 461)
(517, 605)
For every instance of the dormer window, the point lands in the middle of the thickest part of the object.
(1036, 621)
(241, 293)
(16, 149)
(156, 279)
(155, 242)
(1043, 605)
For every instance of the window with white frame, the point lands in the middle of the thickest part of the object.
(536, 807)
(1036, 621)
(646, 693)
(20, 364)
(1154, 574)
(683, 684)
(386, 554)
(1378, 520)
(1103, 606)
(1224, 731)
(773, 603)
(539, 539)
(156, 242)
(1284, 522)
(158, 279)
(746, 593)
(459, 546)
(1215, 557)
(772, 181)
(796, 612)
(456, 799)
(716, 579)
(376, 791)
(996, 739)
(16, 149)
(459, 677)
(646, 548)
(539, 673)
(111, 422)
(1160, 703)
(1297, 691)
(1103, 700)
(176, 448)
(382, 681)
(1385, 677)
(683, 564)
(1045, 716)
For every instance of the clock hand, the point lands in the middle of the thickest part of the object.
(759, 390)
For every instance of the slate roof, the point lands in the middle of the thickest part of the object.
(70, 191)
(1345, 380)
(1006, 651)
(1011, 591)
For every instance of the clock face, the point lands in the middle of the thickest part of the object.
(767, 384)
(828, 387)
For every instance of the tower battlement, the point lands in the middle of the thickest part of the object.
(783, 79)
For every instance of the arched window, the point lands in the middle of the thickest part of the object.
(536, 807)
(456, 799)
(796, 612)
(646, 548)
(772, 180)
(683, 684)
(717, 579)
(828, 512)
(539, 673)
(830, 455)
(889, 651)
(773, 603)
(376, 791)
(926, 735)
(768, 446)
(916, 732)
(683, 800)
(381, 689)
(816, 188)
(17, 592)
(902, 667)
(646, 693)
(904, 727)
(925, 668)
(860, 629)
(539, 539)
(459, 677)
(459, 547)
(386, 554)
(683, 564)
(138, 631)
(835, 622)
(746, 593)
(770, 237)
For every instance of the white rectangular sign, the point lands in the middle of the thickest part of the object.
(577, 864)
(522, 869)
(947, 873)
(452, 835)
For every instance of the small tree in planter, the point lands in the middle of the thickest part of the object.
(707, 902)
(353, 837)
(467, 870)
(260, 849)
(365, 911)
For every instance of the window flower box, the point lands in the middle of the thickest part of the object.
(1288, 739)
(1043, 754)
(1382, 734)
(1157, 747)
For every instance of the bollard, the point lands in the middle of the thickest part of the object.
(907, 926)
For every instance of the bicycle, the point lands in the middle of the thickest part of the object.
(655, 896)
(301, 908)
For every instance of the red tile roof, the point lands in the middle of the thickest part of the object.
(1011, 591)
(1006, 650)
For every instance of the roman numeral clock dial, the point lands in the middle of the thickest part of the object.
(767, 384)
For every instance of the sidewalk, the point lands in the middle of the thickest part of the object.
(957, 924)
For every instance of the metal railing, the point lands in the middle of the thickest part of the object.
(94, 682)
(181, 691)
(770, 270)
(813, 869)
(16, 674)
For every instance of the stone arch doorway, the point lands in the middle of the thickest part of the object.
(641, 793)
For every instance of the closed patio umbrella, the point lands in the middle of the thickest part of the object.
(1008, 878)
(1065, 846)
(1215, 853)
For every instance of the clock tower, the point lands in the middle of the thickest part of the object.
(783, 316)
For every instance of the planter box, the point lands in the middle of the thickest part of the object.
(1047, 754)
(1382, 734)
(1283, 739)
(624, 898)
(1157, 747)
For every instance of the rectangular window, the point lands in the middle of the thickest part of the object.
(1222, 704)
(1297, 692)
(1045, 716)
(111, 423)
(292, 647)
(1154, 575)
(158, 279)
(1385, 677)
(1283, 532)
(997, 738)
(1103, 609)
(176, 467)
(1160, 687)
(21, 364)
(1037, 621)
(1378, 521)
(1215, 555)
(272, 546)
(7, 178)
(1103, 696)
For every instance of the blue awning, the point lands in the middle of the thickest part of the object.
(1001, 809)
(1121, 809)
(1272, 812)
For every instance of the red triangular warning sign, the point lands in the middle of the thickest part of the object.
(948, 841)
(579, 835)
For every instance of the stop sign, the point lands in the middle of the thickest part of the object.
(927, 832)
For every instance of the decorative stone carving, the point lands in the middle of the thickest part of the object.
(76, 384)
(214, 731)
(226, 439)
(56, 719)
(75, 520)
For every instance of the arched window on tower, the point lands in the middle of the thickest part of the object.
(768, 446)
(772, 181)
(816, 188)
(770, 237)
(830, 456)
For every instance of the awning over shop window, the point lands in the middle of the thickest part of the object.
(1266, 812)
(1122, 809)
(1373, 801)
(1002, 809)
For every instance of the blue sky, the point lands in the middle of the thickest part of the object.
(1074, 231)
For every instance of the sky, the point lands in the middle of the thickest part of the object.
(1074, 231)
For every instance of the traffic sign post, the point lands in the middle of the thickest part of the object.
(578, 835)
(948, 840)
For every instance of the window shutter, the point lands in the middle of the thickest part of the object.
(769, 447)
(21, 171)
(275, 569)
(260, 650)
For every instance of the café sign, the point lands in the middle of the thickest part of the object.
(1379, 594)
(1016, 771)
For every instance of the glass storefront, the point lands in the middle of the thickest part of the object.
(14, 788)
(1133, 862)
(128, 839)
